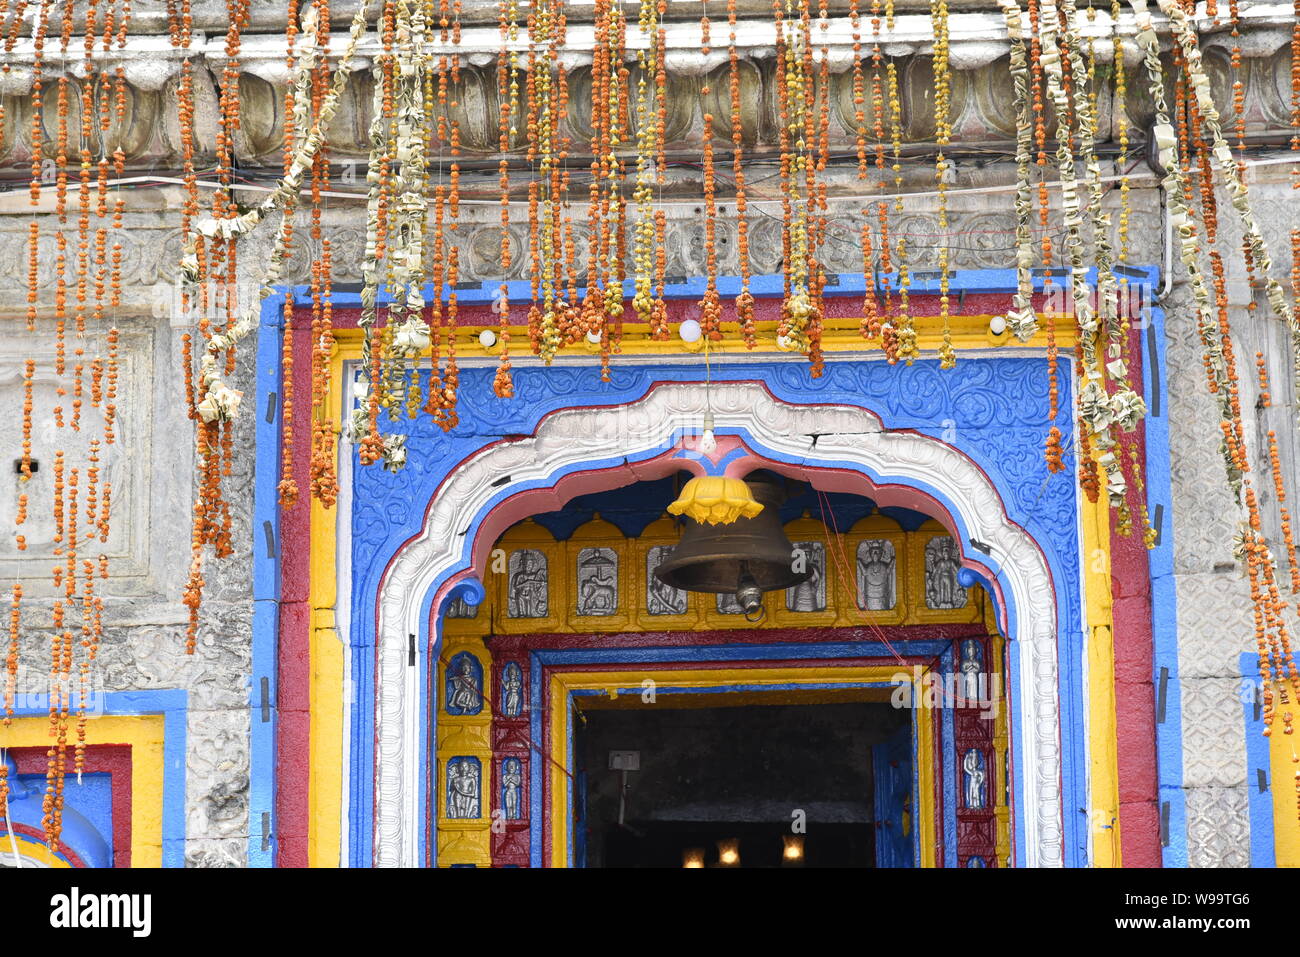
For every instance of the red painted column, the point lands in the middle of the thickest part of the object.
(293, 701)
(1135, 716)
(511, 741)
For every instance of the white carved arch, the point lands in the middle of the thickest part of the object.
(801, 434)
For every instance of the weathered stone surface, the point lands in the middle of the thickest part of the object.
(1218, 829)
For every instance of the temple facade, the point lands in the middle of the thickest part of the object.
(470, 661)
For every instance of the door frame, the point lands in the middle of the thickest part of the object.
(554, 789)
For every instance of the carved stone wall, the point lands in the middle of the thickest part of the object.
(151, 467)
(1215, 620)
(981, 93)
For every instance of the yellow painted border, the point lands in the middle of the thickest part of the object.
(1103, 743)
(1284, 773)
(326, 651)
(144, 734)
(559, 730)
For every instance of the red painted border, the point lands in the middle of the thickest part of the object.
(112, 759)
(293, 695)
(1134, 642)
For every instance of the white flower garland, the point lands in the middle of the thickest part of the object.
(1184, 225)
(1099, 410)
(219, 402)
(1236, 186)
(1022, 319)
(1122, 408)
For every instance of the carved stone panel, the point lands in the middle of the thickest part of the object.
(661, 599)
(464, 685)
(529, 589)
(942, 562)
(809, 595)
(877, 575)
(464, 788)
(597, 581)
(512, 690)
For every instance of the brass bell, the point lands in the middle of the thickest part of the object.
(744, 558)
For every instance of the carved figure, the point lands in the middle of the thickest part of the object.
(942, 590)
(973, 770)
(527, 597)
(876, 575)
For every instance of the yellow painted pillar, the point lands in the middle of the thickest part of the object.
(461, 737)
(1103, 757)
(1286, 814)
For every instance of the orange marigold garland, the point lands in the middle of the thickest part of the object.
(710, 306)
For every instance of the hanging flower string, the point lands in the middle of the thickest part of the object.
(416, 248)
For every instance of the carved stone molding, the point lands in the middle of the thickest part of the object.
(982, 102)
(840, 434)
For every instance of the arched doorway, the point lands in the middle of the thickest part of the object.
(833, 447)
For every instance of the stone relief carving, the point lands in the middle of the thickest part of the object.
(529, 589)
(512, 779)
(877, 575)
(942, 563)
(809, 595)
(512, 690)
(976, 239)
(597, 581)
(974, 779)
(661, 599)
(464, 785)
(972, 667)
(464, 685)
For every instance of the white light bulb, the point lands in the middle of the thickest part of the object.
(707, 443)
(593, 338)
(690, 330)
(998, 325)
(487, 338)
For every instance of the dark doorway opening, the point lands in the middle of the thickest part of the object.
(757, 778)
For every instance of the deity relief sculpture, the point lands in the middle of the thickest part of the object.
(972, 668)
(942, 563)
(527, 597)
(464, 685)
(512, 781)
(877, 575)
(727, 605)
(809, 594)
(512, 690)
(463, 788)
(660, 598)
(974, 777)
(597, 581)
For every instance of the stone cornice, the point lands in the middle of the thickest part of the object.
(976, 38)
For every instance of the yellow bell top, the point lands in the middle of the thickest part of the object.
(715, 500)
